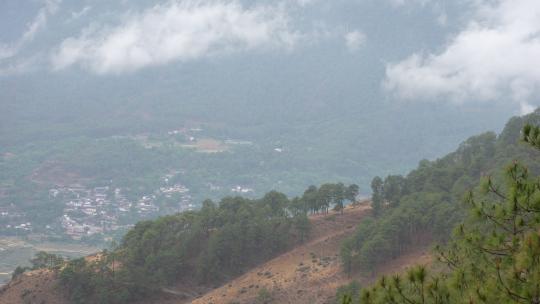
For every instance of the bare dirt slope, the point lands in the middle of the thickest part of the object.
(34, 287)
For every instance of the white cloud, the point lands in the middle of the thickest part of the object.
(496, 56)
(305, 2)
(176, 31)
(7, 51)
(442, 19)
(398, 3)
(38, 23)
(20, 65)
(354, 40)
(79, 14)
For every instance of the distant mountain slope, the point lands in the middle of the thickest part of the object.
(321, 102)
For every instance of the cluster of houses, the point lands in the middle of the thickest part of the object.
(241, 189)
(24, 227)
(87, 211)
(101, 210)
(184, 198)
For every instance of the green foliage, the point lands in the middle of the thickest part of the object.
(493, 256)
(320, 199)
(531, 135)
(351, 192)
(18, 271)
(96, 282)
(43, 259)
(423, 206)
(348, 294)
(302, 225)
(264, 296)
(377, 199)
(393, 189)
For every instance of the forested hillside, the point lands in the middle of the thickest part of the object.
(493, 255)
(424, 205)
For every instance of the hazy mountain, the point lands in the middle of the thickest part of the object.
(322, 85)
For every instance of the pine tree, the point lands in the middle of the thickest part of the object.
(377, 195)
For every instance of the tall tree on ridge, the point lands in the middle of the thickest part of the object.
(377, 195)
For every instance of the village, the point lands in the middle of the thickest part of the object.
(103, 210)
(98, 214)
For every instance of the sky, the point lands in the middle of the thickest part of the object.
(355, 82)
(486, 49)
(463, 53)
(493, 55)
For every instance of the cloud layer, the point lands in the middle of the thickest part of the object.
(37, 24)
(354, 40)
(496, 55)
(176, 31)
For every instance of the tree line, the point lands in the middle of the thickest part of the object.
(320, 200)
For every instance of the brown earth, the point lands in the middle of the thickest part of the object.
(309, 273)
(207, 145)
(35, 287)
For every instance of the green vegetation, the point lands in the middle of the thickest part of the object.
(349, 293)
(210, 246)
(377, 195)
(494, 254)
(264, 296)
(424, 206)
(41, 260)
(316, 200)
